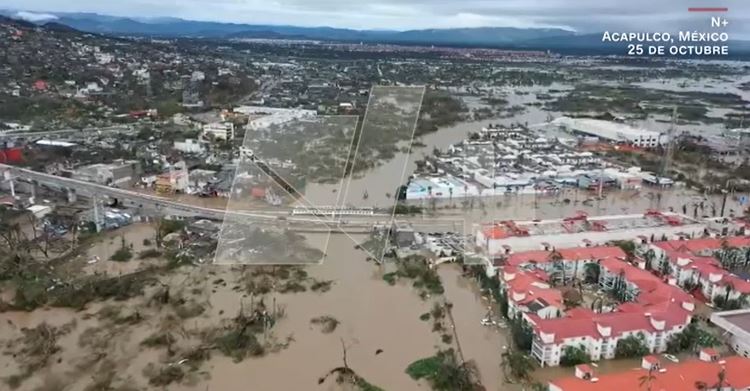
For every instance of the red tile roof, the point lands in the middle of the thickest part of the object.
(495, 232)
(697, 246)
(537, 256)
(568, 254)
(678, 377)
(705, 266)
(656, 300)
(651, 359)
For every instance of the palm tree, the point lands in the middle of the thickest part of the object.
(721, 379)
(729, 290)
(557, 262)
(647, 379)
(620, 287)
(650, 256)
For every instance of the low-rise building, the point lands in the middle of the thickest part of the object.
(189, 146)
(611, 131)
(219, 130)
(118, 173)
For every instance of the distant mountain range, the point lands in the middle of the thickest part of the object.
(174, 27)
(559, 40)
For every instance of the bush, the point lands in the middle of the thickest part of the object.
(239, 345)
(122, 254)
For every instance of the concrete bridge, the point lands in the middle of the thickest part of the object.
(100, 194)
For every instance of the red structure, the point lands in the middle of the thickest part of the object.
(11, 155)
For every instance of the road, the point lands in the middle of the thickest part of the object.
(27, 135)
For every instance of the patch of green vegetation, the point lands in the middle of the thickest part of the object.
(34, 350)
(403, 209)
(444, 372)
(439, 109)
(150, 253)
(164, 376)
(122, 255)
(690, 339)
(159, 339)
(631, 346)
(424, 368)
(573, 355)
(390, 278)
(423, 276)
(321, 286)
(239, 344)
(327, 323)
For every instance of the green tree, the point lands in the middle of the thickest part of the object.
(557, 263)
(522, 334)
(516, 365)
(619, 290)
(690, 339)
(631, 346)
(445, 373)
(574, 355)
(592, 272)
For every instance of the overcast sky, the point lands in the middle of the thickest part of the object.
(579, 15)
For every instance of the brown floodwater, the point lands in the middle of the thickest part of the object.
(373, 316)
(479, 343)
(99, 253)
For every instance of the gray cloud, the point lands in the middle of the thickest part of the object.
(579, 15)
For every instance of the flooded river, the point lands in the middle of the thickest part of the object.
(373, 316)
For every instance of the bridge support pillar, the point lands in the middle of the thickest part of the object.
(98, 213)
(7, 176)
(34, 185)
(72, 196)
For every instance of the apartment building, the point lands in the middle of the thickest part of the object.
(652, 309)
(698, 263)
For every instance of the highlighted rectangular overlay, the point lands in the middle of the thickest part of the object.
(283, 153)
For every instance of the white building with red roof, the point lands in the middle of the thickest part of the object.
(656, 312)
(529, 292)
(696, 262)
